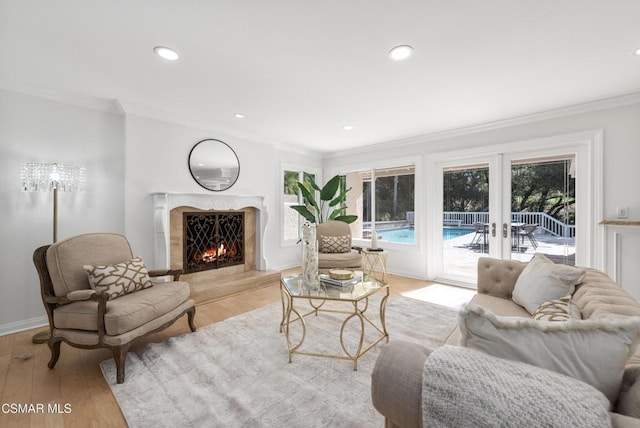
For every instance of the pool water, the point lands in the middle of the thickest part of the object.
(406, 235)
(454, 232)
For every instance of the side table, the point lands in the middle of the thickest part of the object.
(374, 264)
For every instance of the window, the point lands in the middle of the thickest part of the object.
(391, 212)
(290, 196)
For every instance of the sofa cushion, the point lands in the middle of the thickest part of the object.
(542, 281)
(594, 351)
(599, 297)
(562, 309)
(125, 313)
(352, 259)
(119, 279)
(498, 277)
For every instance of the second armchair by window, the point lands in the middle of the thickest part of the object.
(335, 249)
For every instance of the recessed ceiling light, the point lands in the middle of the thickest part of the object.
(166, 53)
(348, 127)
(239, 115)
(400, 52)
(637, 52)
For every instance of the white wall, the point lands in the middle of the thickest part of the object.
(156, 161)
(621, 153)
(34, 129)
(128, 157)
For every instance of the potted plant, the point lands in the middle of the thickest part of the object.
(331, 203)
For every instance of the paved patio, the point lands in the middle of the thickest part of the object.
(460, 258)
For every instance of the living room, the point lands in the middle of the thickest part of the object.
(132, 148)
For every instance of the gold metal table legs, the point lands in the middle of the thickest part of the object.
(359, 308)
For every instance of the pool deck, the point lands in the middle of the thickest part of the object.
(460, 258)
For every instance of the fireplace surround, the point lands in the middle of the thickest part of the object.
(167, 204)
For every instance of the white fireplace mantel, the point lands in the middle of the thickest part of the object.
(163, 203)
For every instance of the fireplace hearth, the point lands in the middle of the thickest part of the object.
(212, 240)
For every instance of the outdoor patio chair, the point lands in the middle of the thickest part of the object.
(527, 231)
(480, 236)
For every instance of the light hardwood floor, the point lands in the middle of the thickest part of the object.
(77, 381)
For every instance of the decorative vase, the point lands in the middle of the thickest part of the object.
(374, 239)
(310, 277)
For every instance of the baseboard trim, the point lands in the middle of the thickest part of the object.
(287, 266)
(18, 326)
(406, 274)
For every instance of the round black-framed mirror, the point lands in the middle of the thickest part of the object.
(214, 165)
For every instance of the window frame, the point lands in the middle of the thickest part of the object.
(284, 167)
(417, 200)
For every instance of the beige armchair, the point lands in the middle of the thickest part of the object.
(335, 249)
(85, 318)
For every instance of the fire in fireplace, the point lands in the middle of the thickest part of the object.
(212, 240)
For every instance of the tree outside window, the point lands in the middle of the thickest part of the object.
(394, 191)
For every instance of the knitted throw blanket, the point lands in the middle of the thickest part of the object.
(463, 387)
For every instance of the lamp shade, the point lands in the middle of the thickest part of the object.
(46, 177)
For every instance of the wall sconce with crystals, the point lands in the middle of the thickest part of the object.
(47, 177)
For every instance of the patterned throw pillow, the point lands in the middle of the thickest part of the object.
(335, 244)
(119, 279)
(562, 309)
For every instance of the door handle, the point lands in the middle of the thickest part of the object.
(505, 230)
(493, 230)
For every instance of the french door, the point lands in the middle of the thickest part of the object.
(511, 204)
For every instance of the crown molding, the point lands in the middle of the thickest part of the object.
(199, 123)
(122, 107)
(300, 150)
(79, 100)
(597, 105)
(190, 121)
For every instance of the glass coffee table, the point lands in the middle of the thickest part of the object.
(354, 297)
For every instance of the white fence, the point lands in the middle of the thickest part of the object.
(543, 220)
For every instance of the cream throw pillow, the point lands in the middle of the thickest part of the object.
(542, 281)
(593, 351)
(119, 279)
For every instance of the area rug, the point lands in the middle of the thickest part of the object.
(236, 373)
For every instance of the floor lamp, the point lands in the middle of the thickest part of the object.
(52, 177)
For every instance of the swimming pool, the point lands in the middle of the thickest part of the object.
(454, 232)
(406, 235)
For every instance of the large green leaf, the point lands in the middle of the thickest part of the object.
(308, 196)
(329, 190)
(304, 212)
(340, 198)
(347, 218)
(334, 214)
(309, 178)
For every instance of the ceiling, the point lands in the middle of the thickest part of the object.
(300, 70)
